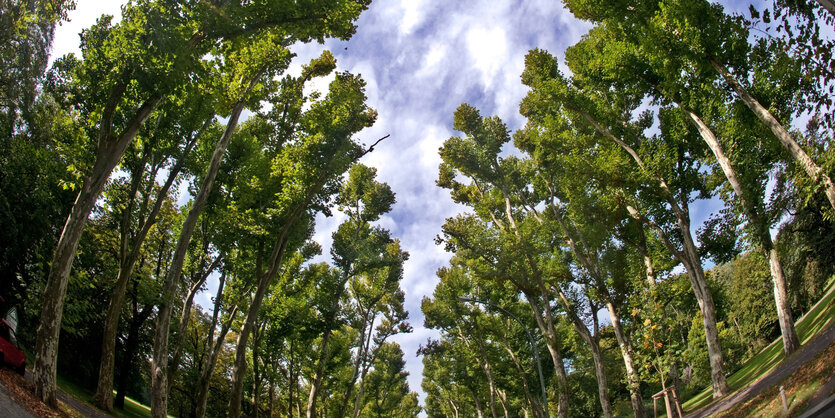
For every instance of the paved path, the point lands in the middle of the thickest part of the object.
(8, 407)
(784, 370)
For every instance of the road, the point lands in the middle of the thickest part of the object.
(8, 407)
(784, 370)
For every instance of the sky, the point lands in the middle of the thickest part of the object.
(420, 59)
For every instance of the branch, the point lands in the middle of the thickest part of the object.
(371, 148)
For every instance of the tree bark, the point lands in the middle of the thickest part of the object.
(535, 406)
(626, 352)
(185, 315)
(131, 344)
(546, 326)
(276, 257)
(211, 361)
(110, 151)
(317, 379)
(594, 345)
(159, 365)
(689, 256)
(365, 366)
(814, 171)
(790, 340)
(829, 5)
(703, 296)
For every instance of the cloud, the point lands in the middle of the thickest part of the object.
(420, 60)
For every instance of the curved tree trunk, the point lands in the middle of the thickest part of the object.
(689, 256)
(104, 388)
(535, 406)
(594, 345)
(185, 315)
(790, 340)
(159, 365)
(110, 151)
(209, 366)
(546, 326)
(317, 379)
(626, 352)
(814, 171)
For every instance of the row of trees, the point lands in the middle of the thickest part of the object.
(666, 103)
(153, 106)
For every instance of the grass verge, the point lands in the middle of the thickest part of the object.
(817, 319)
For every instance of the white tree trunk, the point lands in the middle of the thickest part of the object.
(814, 171)
(790, 340)
(159, 365)
(110, 151)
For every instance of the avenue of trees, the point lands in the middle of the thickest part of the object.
(580, 223)
(177, 151)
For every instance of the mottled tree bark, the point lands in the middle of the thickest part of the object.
(689, 257)
(317, 379)
(104, 388)
(790, 340)
(546, 326)
(813, 170)
(159, 365)
(110, 151)
(626, 352)
(594, 344)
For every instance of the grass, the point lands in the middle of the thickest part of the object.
(132, 409)
(805, 383)
(818, 318)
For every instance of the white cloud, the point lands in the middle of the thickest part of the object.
(413, 14)
(85, 15)
(420, 59)
(489, 51)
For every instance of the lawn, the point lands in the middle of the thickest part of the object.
(132, 408)
(818, 318)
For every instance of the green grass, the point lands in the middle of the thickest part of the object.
(821, 315)
(133, 409)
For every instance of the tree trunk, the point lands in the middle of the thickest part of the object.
(159, 365)
(790, 340)
(361, 347)
(550, 334)
(110, 151)
(131, 344)
(815, 172)
(317, 379)
(211, 361)
(478, 408)
(689, 256)
(485, 366)
(174, 366)
(365, 366)
(626, 351)
(521, 372)
(594, 345)
(239, 368)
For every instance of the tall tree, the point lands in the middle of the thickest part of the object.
(131, 81)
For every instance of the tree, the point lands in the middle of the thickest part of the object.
(132, 80)
(360, 252)
(388, 391)
(675, 158)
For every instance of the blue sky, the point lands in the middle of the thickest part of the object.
(421, 59)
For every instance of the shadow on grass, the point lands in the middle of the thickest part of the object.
(132, 408)
(817, 319)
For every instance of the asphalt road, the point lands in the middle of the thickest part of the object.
(8, 408)
(806, 353)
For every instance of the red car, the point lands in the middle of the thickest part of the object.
(10, 352)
